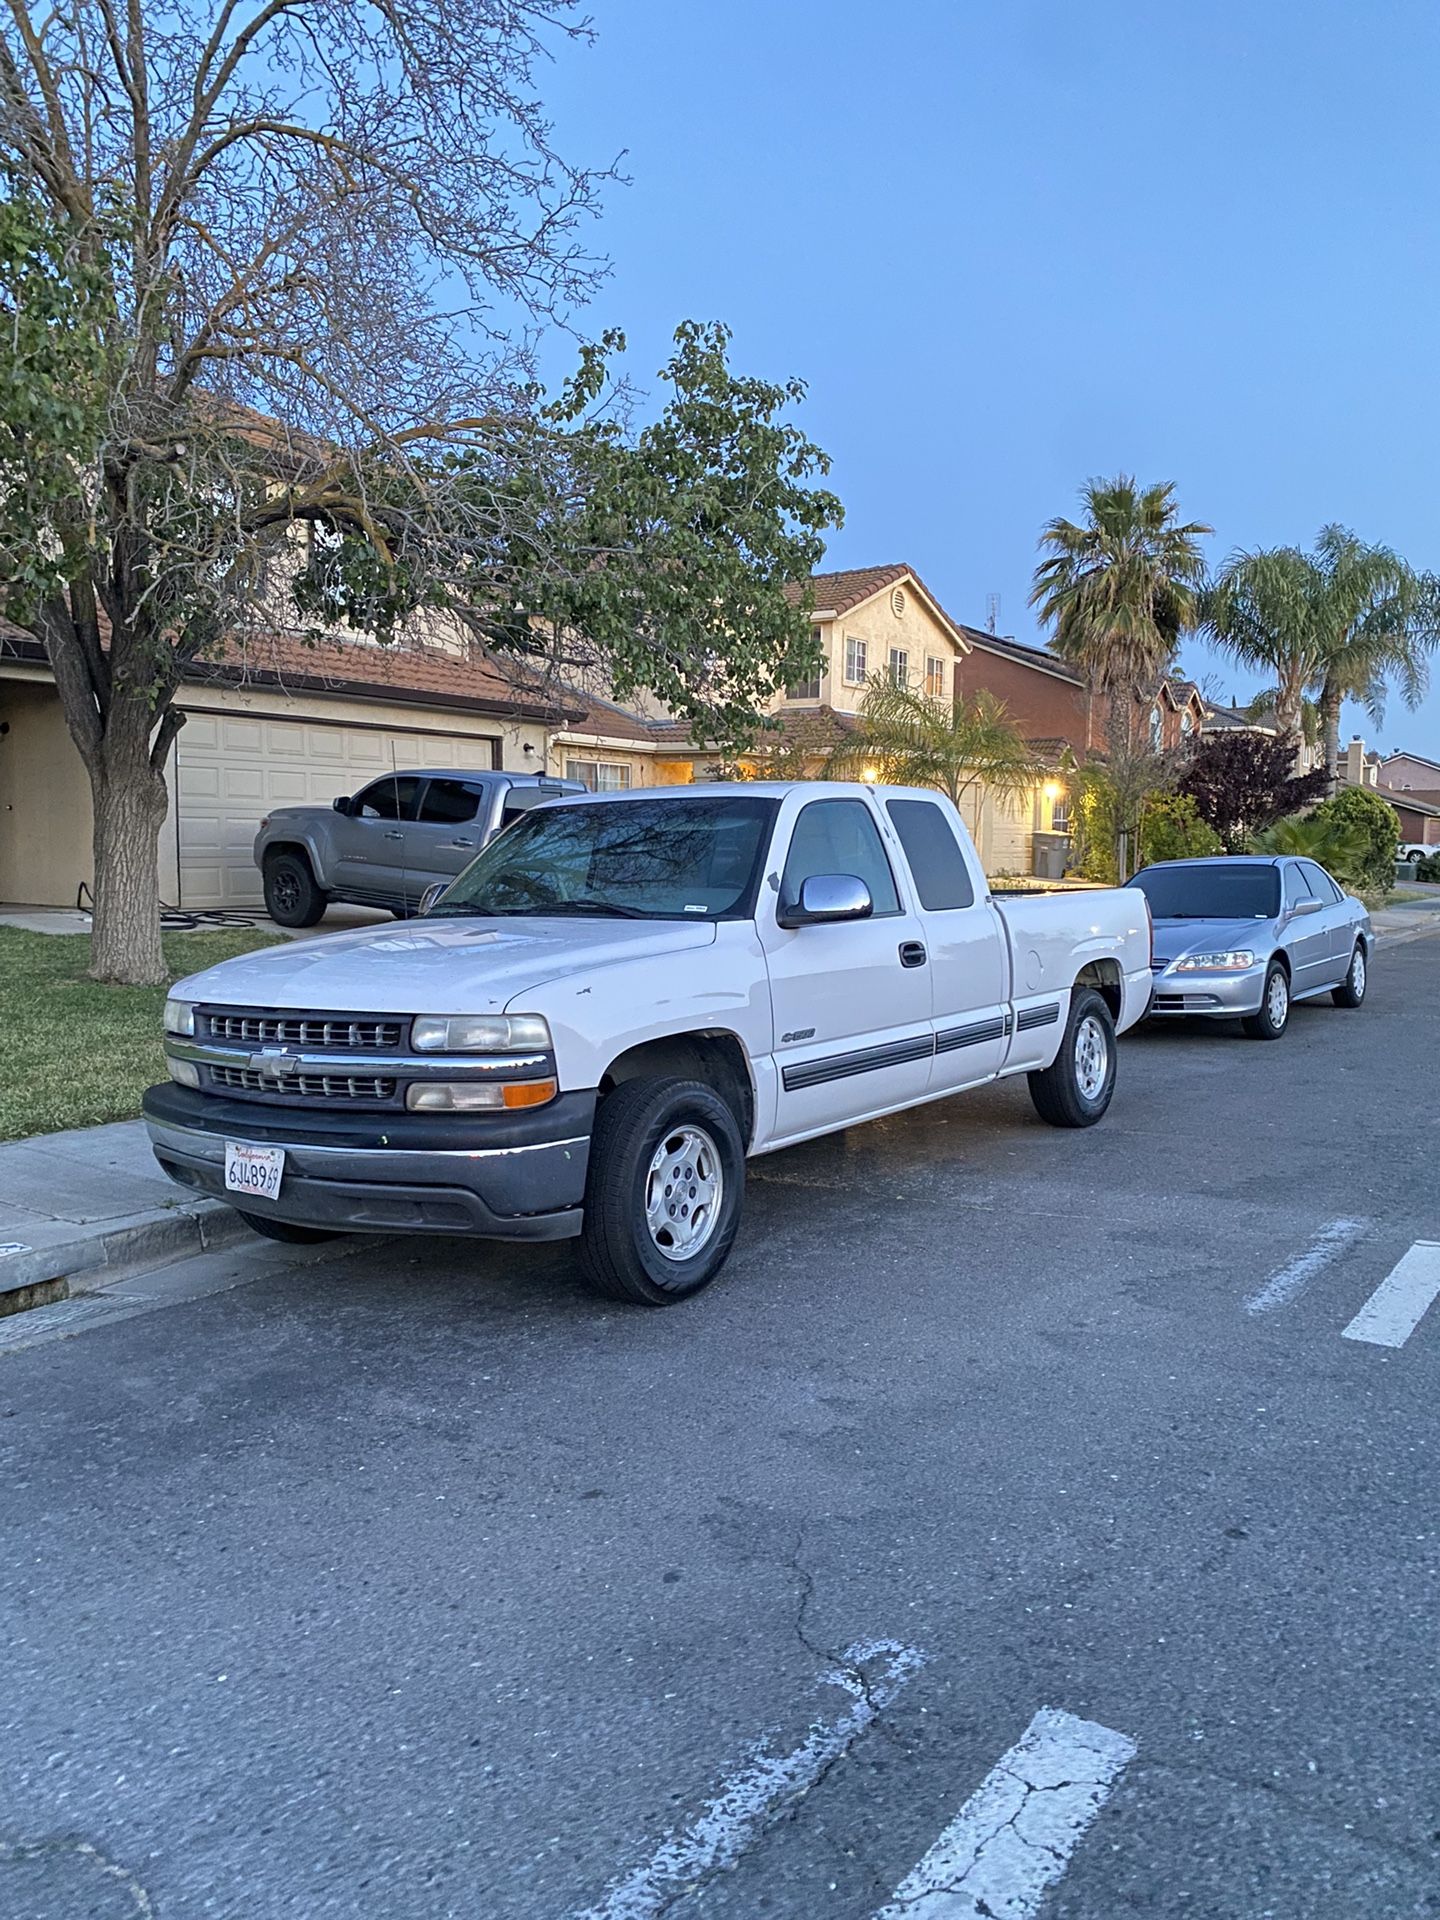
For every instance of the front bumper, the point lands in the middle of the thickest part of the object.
(514, 1176)
(1223, 996)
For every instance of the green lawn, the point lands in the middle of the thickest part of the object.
(76, 1053)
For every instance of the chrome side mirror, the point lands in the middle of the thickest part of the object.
(828, 896)
(431, 895)
(1307, 906)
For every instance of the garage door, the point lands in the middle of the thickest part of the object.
(232, 769)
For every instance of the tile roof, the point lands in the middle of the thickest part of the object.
(839, 592)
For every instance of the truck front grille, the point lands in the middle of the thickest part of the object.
(340, 1087)
(315, 1032)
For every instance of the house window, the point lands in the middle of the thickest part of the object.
(1187, 722)
(857, 661)
(1157, 728)
(899, 667)
(600, 776)
(808, 689)
(934, 677)
(1060, 814)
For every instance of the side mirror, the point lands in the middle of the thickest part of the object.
(1307, 906)
(828, 896)
(431, 895)
(341, 803)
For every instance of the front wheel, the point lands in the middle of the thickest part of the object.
(1076, 1088)
(1351, 990)
(292, 897)
(664, 1192)
(1274, 1015)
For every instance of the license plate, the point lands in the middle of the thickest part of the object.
(254, 1170)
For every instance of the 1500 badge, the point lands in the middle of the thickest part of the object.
(800, 1033)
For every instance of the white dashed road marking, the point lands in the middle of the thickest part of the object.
(871, 1674)
(1296, 1274)
(1013, 1837)
(1399, 1303)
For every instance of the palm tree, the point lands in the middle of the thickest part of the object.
(1121, 586)
(912, 739)
(1336, 624)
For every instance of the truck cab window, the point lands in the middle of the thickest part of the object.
(449, 803)
(839, 836)
(942, 878)
(392, 798)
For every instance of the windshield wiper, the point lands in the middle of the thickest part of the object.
(602, 909)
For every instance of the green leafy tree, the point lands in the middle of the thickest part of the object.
(1171, 829)
(1357, 816)
(1120, 586)
(1343, 622)
(912, 739)
(273, 268)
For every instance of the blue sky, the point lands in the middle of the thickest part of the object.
(1013, 244)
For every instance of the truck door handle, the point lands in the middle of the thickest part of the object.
(461, 843)
(912, 953)
(391, 835)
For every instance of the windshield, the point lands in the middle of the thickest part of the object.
(681, 859)
(1219, 892)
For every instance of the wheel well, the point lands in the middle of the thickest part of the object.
(1105, 977)
(1284, 960)
(277, 847)
(716, 1058)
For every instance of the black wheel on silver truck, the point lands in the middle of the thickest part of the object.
(292, 896)
(664, 1191)
(284, 1230)
(1076, 1088)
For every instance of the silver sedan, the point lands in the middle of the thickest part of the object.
(1244, 936)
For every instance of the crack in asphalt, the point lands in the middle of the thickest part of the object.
(63, 1843)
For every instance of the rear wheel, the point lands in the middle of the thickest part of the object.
(1351, 990)
(664, 1192)
(1274, 1015)
(292, 897)
(1077, 1087)
(284, 1229)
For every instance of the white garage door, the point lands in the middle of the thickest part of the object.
(232, 769)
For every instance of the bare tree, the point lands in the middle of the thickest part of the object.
(270, 270)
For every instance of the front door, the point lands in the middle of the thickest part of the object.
(966, 944)
(851, 999)
(1307, 933)
(370, 842)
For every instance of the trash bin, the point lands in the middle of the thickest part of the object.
(1049, 853)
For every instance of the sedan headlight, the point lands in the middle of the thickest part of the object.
(180, 1017)
(1215, 962)
(480, 1033)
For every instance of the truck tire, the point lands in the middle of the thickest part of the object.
(292, 897)
(284, 1230)
(1076, 1088)
(1351, 990)
(664, 1192)
(1274, 1015)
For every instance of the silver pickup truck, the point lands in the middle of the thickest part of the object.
(387, 845)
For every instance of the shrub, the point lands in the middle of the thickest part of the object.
(1336, 844)
(1428, 866)
(1370, 862)
(1172, 829)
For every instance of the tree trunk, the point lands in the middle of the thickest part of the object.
(1330, 725)
(130, 806)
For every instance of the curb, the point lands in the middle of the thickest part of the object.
(1398, 937)
(144, 1241)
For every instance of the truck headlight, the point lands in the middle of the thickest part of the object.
(480, 1033)
(183, 1072)
(468, 1096)
(180, 1017)
(1215, 962)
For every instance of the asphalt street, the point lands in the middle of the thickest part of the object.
(1015, 1512)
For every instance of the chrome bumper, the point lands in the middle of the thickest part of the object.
(1223, 996)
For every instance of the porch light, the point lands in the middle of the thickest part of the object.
(870, 775)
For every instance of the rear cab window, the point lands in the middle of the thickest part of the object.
(942, 878)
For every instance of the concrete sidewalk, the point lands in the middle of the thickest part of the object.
(82, 1208)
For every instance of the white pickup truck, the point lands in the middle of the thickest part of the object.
(620, 1000)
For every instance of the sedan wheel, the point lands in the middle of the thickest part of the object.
(1274, 1015)
(1351, 991)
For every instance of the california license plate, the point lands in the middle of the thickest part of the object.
(253, 1170)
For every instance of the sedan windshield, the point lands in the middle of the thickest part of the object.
(1224, 891)
(680, 859)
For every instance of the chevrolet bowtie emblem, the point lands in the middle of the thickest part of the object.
(277, 1064)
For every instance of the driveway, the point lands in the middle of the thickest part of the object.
(1014, 1529)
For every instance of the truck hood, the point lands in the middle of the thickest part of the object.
(1175, 938)
(434, 966)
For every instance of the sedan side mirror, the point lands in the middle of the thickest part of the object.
(431, 895)
(1307, 906)
(828, 896)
